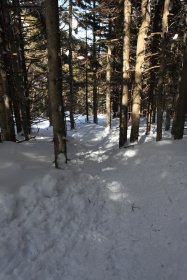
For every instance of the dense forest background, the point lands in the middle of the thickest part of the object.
(125, 59)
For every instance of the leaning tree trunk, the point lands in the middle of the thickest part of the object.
(125, 81)
(181, 107)
(140, 57)
(55, 80)
(160, 86)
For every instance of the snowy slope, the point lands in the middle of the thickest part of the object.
(109, 214)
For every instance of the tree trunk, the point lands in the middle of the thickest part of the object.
(6, 118)
(72, 123)
(181, 108)
(140, 57)
(156, 29)
(95, 97)
(55, 80)
(125, 81)
(168, 119)
(160, 86)
(86, 86)
(23, 63)
(13, 62)
(6, 62)
(149, 117)
(108, 91)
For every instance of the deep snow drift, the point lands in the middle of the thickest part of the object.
(110, 214)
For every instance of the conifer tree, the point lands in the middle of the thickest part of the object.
(140, 57)
(160, 86)
(126, 68)
(55, 80)
(181, 108)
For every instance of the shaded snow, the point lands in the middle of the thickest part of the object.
(109, 214)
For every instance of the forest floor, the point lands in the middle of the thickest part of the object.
(109, 214)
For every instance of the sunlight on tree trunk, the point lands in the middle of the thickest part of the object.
(72, 122)
(126, 68)
(108, 92)
(160, 86)
(140, 57)
(55, 80)
(95, 95)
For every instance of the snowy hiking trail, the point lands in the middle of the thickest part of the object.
(110, 214)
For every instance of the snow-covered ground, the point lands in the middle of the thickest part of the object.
(109, 214)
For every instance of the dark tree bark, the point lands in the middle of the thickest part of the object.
(125, 80)
(95, 97)
(86, 74)
(160, 86)
(72, 123)
(55, 80)
(13, 61)
(16, 4)
(181, 108)
(151, 110)
(108, 92)
(6, 118)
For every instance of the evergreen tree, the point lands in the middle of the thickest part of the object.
(126, 68)
(55, 79)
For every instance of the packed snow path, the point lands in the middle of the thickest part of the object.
(110, 214)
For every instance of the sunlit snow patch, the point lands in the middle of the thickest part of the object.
(116, 191)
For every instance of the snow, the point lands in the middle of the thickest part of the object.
(109, 214)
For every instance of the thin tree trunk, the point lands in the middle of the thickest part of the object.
(115, 102)
(108, 91)
(13, 63)
(149, 117)
(55, 80)
(95, 97)
(153, 61)
(168, 119)
(17, 115)
(23, 64)
(140, 57)
(86, 86)
(160, 86)
(7, 61)
(125, 81)
(72, 123)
